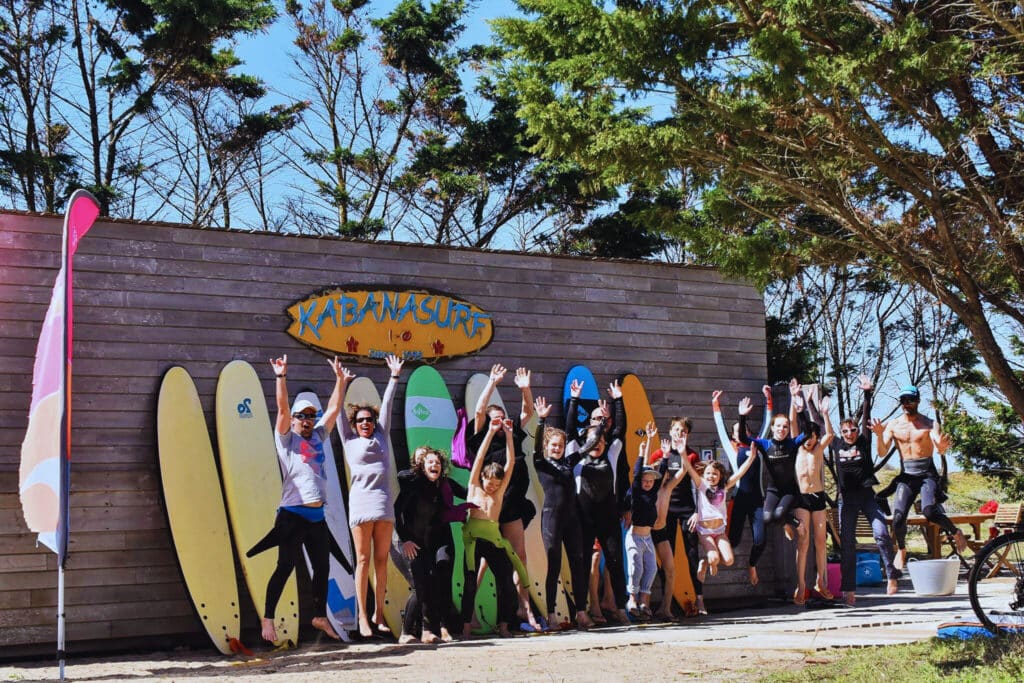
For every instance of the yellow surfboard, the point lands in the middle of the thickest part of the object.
(638, 414)
(195, 507)
(252, 486)
(362, 391)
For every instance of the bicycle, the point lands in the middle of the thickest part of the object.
(995, 583)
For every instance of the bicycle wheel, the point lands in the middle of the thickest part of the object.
(996, 583)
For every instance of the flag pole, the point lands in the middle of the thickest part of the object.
(65, 443)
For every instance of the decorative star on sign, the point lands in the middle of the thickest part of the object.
(353, 344)
(438, 346)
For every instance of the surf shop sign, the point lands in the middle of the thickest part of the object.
(416, 325)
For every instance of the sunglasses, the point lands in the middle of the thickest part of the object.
(848, 431)
(908, 399)
(304, 417)
(365, 418)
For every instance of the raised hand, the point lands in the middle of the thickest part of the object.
(877, 426)
(394, 364)
(715, 395)
(576, 388)
(506, 424)
(606, 411)
(497, 373)
(651, 429)
(746, 405)
(522, 379)
(341, 372)
(543, 408)
(614, 390)
(767, 391)
(280, 365)
(865, 382)
(942, 443)
(495, 425)
(794, 387)
(666, 446)
(824, 404)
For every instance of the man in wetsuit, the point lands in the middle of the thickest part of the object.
(917, 438)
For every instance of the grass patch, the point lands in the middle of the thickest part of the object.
(980, 660)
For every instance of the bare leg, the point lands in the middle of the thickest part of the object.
(608, 602)
(668, 567)
(725, 550)
(381, 548)
(362, 535)
(514, 532)
(595, 578)
(803, 539)
(752, 574)
(820, 559)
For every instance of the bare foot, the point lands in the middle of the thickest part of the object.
(406, 639)
(446, 637)
(787, 529)
(467, 631)
(800, 595)
(754, 578)
(850, 597)
(583, 622)
(382, 627)
(503, 631)
(364, 629)
(702, 570)
(598, 618)
(713, 568)
(429, 638)
(664, 616)
(701, 609)
(891, 587)
(899, 561)
(267, 630)
(960, 540)
(321, 624)
(823, 591)
(619, 617)
(553, 624)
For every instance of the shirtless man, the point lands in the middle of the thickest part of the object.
(917, 438)
(810, 476)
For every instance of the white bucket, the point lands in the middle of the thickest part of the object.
(934, 577)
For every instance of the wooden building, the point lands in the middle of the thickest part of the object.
(151, 296)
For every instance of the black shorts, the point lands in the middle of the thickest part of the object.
(815, 502)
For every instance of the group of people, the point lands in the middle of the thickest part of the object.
(589, 496)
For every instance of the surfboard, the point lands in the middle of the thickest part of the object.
(362, 391)
(638, 414)
(252, 486)
(430, 420)
(341, 586)
(195, 507)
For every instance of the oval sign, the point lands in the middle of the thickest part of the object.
(416, 325)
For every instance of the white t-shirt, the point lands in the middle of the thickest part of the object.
(710, 509)
(302, 467)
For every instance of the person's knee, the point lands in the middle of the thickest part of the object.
(931, 512)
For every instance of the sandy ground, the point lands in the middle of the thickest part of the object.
(742, 644)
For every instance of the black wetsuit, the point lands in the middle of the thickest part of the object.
(783, 492)
(602, 483)
(681, 507)
(560, 523)
(419, 517)
(748, 503)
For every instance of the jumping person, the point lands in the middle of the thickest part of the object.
(810, 475)
(713, 482)
(855, 479)
(300, 521)
(516, 509)
(681, 507)
(782, 494)
(364, 435)
(602, 477)
(917, 438)
(643, 514)
(481, 535)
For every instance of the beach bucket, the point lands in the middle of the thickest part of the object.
(934, 577)
(835, 578)
(869, 569)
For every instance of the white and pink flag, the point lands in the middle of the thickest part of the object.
(46, 450)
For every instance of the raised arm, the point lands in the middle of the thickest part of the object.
(883, 437)
(342, 376)
(734, 479)
(766, 424)
(723, 436)
(825, 405)
(284, 417)
(572, 430)
(395, 366)
(619, 421)
(480, 412)
(481, 454)
(510, 456)
(746, 405)
(523, 382)
(865, 412)
(796, 403)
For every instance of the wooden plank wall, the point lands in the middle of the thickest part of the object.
(150, 296)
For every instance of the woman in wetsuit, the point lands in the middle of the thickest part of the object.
(602, 478)
(560, 520)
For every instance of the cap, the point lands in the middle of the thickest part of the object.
(302, 404)
(650, 470)
(910, 391)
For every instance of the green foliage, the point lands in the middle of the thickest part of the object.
(991, 445)
(789, 353)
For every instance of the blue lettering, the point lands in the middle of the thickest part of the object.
(389, 308)
(368, 307)
(348, 311)
(412, 355)
(461, 317)
(329, 312)
(478, 322)
(430, 313)
(410, 308)
(306, 319)
(376, 354)
(447, 316)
